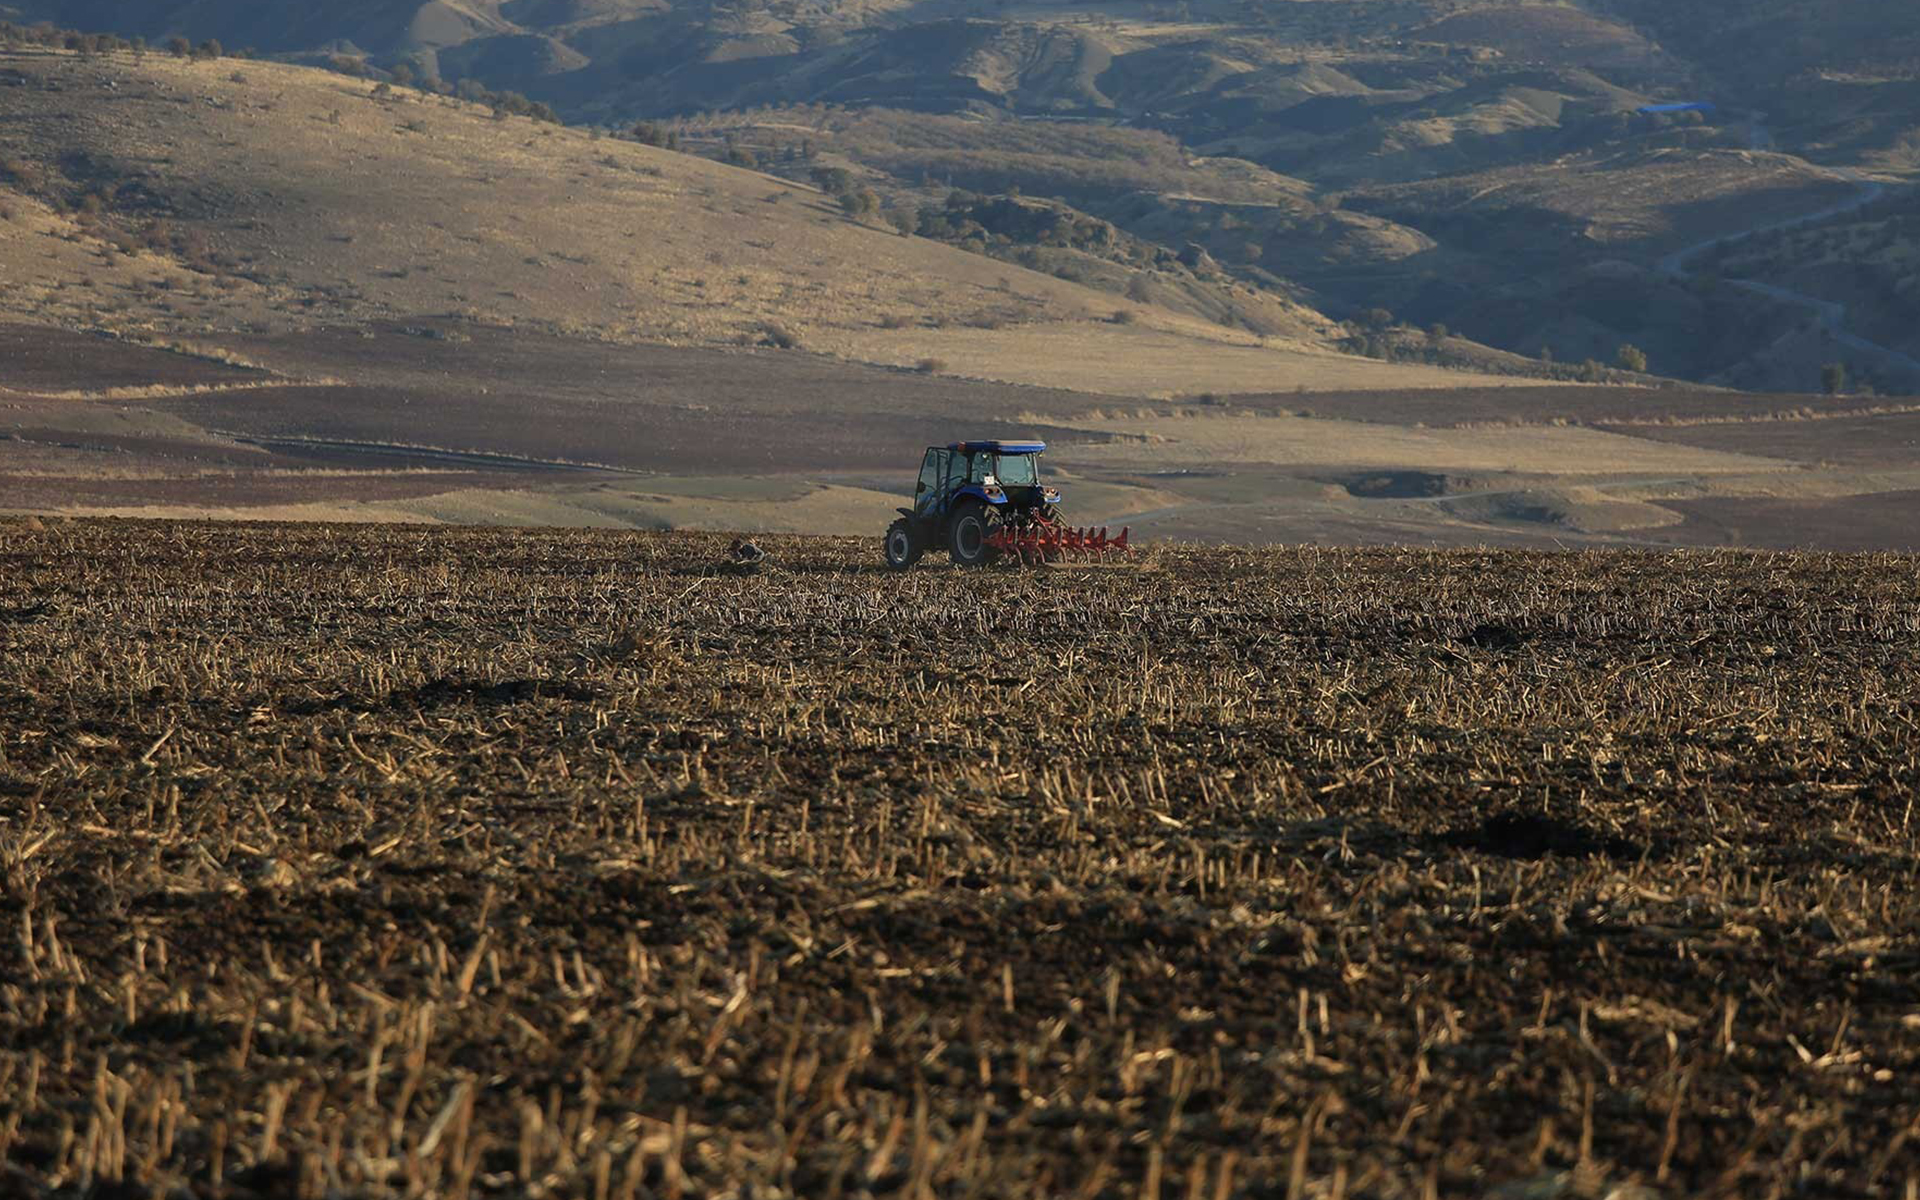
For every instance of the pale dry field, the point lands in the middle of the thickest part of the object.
(1162, 441)
(1161, 356)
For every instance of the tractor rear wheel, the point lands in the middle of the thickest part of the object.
(967, 536)
(903, 545)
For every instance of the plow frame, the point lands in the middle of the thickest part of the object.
(1041, 542)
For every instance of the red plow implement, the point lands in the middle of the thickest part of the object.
(1041, 543)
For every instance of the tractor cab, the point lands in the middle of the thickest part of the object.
(966, 490)
(993, 473)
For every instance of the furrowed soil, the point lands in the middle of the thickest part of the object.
(380, 861)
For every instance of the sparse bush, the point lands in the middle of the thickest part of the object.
(27, 175)
(1833, 378)
(931, 366)
(1632, 358)
(179, 47)
(778, 336)
(1124, 316)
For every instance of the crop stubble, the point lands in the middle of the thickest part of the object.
(382, 861)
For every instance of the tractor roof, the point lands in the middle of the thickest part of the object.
(1000, 447)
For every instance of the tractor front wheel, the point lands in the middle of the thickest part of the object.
(967, 536)
(903, 545)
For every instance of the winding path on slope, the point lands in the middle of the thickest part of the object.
(1831, 314)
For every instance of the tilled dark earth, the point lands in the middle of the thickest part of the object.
(343, 861)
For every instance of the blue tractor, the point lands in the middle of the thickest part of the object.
(972, 498)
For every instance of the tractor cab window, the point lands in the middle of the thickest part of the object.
(1017, 470)
(979, 466)
(958, 462)
(932, 469)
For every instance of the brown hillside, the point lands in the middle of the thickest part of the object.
(159, 194)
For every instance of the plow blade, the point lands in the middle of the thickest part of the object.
(1044, 543)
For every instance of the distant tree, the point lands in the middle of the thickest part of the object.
(1632, 358)
(139, 46)
(1376, 318)
(402, 74)
(1592, 372)
(209, 49)
(649, 134)
(859, 202)
(1546, 354)
(741, 156)
(1833, 378)
(905, 219)
(1438, 333)
(179, 47)
(834, 181)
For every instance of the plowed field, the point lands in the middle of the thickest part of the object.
(382, 861)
